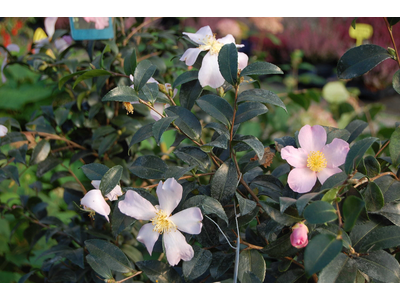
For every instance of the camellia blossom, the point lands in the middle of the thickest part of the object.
(99, 23)
(209, 73)
(162, 222)
(94, 201)
(299, 237)
(314, 159)
(3, 130)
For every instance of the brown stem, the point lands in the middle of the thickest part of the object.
(184, 177)
(53, 137)
(393, 42)
(76, 178)
(138, 28)
(137, 273)
(383, 147)
(364, 180)
(339, 215)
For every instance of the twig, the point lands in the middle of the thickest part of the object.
(383, 147)
(138, 28)
(393, 42)
(137, 273)
(184, 177)
(76, 178)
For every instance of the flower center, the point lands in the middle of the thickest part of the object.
(210, 43)
(129, 107)
(316, 161)
(162, 223)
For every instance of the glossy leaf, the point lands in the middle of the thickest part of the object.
(148, 167)
(143, 72)
(246, 206)
(228, 63)
(224, 182)
(373, 197)
(391, 211)
(189, 93)
(142, 134)
(261, 68)
(340, 270)
(381, 238)
(160, 126)
(185, 77)
(207, 205)
(393, 21)
(302, 202)
(120, 221)
(390, 188)
(40, 152)
(198, 265)
(149, 92)
(130, 63)
(121, 94)
(253, 142)
(394, 147)
(352, 208)
(159, 272)
(216, 107)
(99, 266)
(63, 80)
(249, 110)
(110, 179)
(262, 96)
(355, 128)
(356, 153)
(186, 121)
(94, 171)
(251, 261)
(48, 164)
(277, 216)
(359, 60)
(320, 212)
(194, 156)
(221, 262)
(91, 74)
(107, 142)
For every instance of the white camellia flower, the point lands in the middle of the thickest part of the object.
(162, 222)
(209, 73)
(94, 201)
(3, 130)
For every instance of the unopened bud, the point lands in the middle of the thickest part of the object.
(220, 91)
(392, 52)
(299, 237)
(162, 88)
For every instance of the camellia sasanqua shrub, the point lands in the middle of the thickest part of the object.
(143, 142)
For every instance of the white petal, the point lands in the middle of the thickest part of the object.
(50, 25)
(158, 107)
(326, 173)
(200, 35)
(190, 56)
(209, 73)
(188, 220)
(169, 195)
(96, 183)
(148, 236)
(302, 180)
(177, 248)
(228, 39)
(243, 60)
(115, 192)
(152, 80)
(136, 206)
(131, 77)
(3, 130)
(94, 200)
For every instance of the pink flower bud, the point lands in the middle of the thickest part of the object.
(299, 238)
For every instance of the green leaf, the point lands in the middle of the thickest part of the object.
(142, 134)
(48, 164)
(353, 23)
(12, 172)
(158, 271)
(185, 77)
(356, 153)
(134, 254)
(68, 77)
(331, 195)
(94, 171)
(99, 267)
(279, 217)
(224, 182)
(61, 115)
(373, 197)
(320, 251)
(261, 68)
(249, 110)
(109, 254)
(333, 133)
(335, 180)
(120, 221)
(160, 126)
(149, 92)
(391, 211)
(121, 94)
(359, 232)
(396, 81)
(207, 205)
(198, 265)
(285, 202)
(90, 74)
(143, 72)
(186, 121)
(216, 107)
(340, 270)
(352, 208)
(251, 261)
(303, 201)
(246, 206)
(228, 63)
(381, 238)
(372, 166)
(390, 188)
(130, 63)
(335, 230)
(392, 21)
(359, 60)
(394, 147)
(355, 128)
(194, 156)
(189, 93)
(221, 262)
(291, 276)
(320, 212)
(300, 99)
(253, 142)
(40, 152)
(262, 96)
(149, 167)
(110, 179)
(107, 142)
(380, 265)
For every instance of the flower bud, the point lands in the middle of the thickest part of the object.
(3, 130)
(299, 238)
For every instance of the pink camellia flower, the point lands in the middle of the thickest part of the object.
(209, 73)
(299, 238)
(314, 159)
(94, 202)
(3, 130)
(162, 222)
(100, 23)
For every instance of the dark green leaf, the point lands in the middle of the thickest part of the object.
(355, 128)
(394, 147)
(246, 206)
(216, 107)
(158, 271)
(121, 94)
(373, 197)
(268, 185)
(251, 261)
(262, 96)
(320, 212)
(120, 221)
(40, 152)
(228, 63)
(107, 142)
(372, 166)
(301, 99)
(224, 182)
(390, 188)
(149, 92)
(12, 172)
(359, 60)
(279, 217)
(48, 164)
(99, 267)
(334, 181)
(253, 142)
(207, 205)
(143, 72)
(176, 172)
(149, 167)
(186, 121)
(359, 232)
(392, 21)
(396, 81)
(221, 129)
(249, 110)
(381, 238)
(391, 211)
(134, 254)
(356, 153)
(130, 63)
(291, 276)
(194, 156)
(61, 115)
(110, 179)
(189, 93)
(90, 74)
(142, 134)
(320, 251)
(340, 270)
(285, 202)
(352, 208)
(353, 23)
(94, 171)
(68, 77)
(221, 262)
(198, 265)
(160, 126)
(335, 230)
(261, 68)
(185, 77)
(333, 133)
(280, 247)
(303, 201)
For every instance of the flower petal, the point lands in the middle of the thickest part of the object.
(302, 180)
(136, 206)
(3, 130)
(50, 25)
(312, 138)
(228, 39)
(243, 60)
(336, 152)
(96, 183)
(158, 107)
(190, 56)
(148, 236)
(95, 200)
(176, 247)
(209, 73)
(188, 220)
(169, 195)
(115, 192)
(200, 35)
(326, 173)
(296, 157)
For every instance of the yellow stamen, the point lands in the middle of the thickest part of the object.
(316, 161)
(211, 44)
(162, 223)
(129, 107)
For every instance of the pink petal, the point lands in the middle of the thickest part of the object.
(336, 152)
(152, 80)
(176, 247)
(200, 35)
(169, 195)
(136, 206)
(228, 39)
(148, 236)
(209, 73)
(95, 200)
(188, 220)
(190, 56)
(302, 180)
(243, 60)
(326, 173)
(50, 25)
(96, 183)
(299, 237)
(312, 138)
(3, 130)
(115, 193)
(296, 157)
